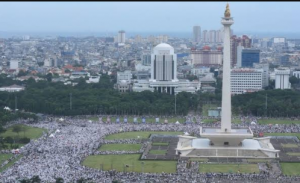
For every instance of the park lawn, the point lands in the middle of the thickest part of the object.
(120, 147)
(228, 168)
(4, 157)
(282, 134)
(277, 121)
(10, 163)
(160, 143)
(235, 120)
(289, 145)
(258, 160)
(199, 159)
(118, 163)
(141, 134)
(210, 120)
(30, 132)
(206, 107)
(158, 152)
(290, 168)
(293, 154)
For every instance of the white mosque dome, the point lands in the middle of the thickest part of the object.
(163, 47)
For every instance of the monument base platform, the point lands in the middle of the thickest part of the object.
(250, 148)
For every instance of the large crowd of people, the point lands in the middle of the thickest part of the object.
(59, 152)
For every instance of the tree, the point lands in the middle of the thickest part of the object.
(294, 80)
(35, 179)
(59, 180)
(9, 140)
(22, 73)
(49, 77)
(17, 129)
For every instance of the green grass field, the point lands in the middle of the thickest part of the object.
(141, 134)
(4, 157)
(30, 132)
(290, 168)
(293, 154)
(258, 160)
(277, 121)
(282, 134)
(158, 152)
(289, 145)
(117, 162)
(206, 107)
(10, 163)
(234, 120)
(160, 143)
(120, 147)
(199, 159)
(229, 168)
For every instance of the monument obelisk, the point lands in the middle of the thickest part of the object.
(227, 21)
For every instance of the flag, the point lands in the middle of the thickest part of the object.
(157, 120)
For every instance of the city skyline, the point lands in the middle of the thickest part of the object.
(129, 16)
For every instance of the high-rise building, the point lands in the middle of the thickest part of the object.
(164, 63)
(249, 57)
(207, 57)
(282, 77)
(265, 68)
(245, 80)
(164, 74)
(212, 36)
(121, 37)
(219, 36)
(284, 60)
(244, 41)
(205, 36)
(197, 34)
(146, 59)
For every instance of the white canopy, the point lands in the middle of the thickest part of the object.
(57, 131)
(253, 123)
(90, 121)
(51, 135)
(177, 122)
(61, 119)
(186, 133)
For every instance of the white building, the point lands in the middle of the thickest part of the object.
(245, 80)
(94, 79)
(14, 64)
(296, 73)
(282, 77)
(12, 88)
(265, 67)
(126, 75)
(121, 37)
(164, 73)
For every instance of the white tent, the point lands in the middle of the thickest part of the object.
(186, 133)
(61, 119)
(51, 136)
(90, 121)
(177, 123)
(57, 131)
(253, 123)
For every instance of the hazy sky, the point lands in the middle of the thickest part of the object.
(147, 16)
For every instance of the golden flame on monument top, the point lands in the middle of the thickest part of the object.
(227, 11)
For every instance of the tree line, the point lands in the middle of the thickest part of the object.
(100, 98)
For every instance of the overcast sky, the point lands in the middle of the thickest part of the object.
(147, 16)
